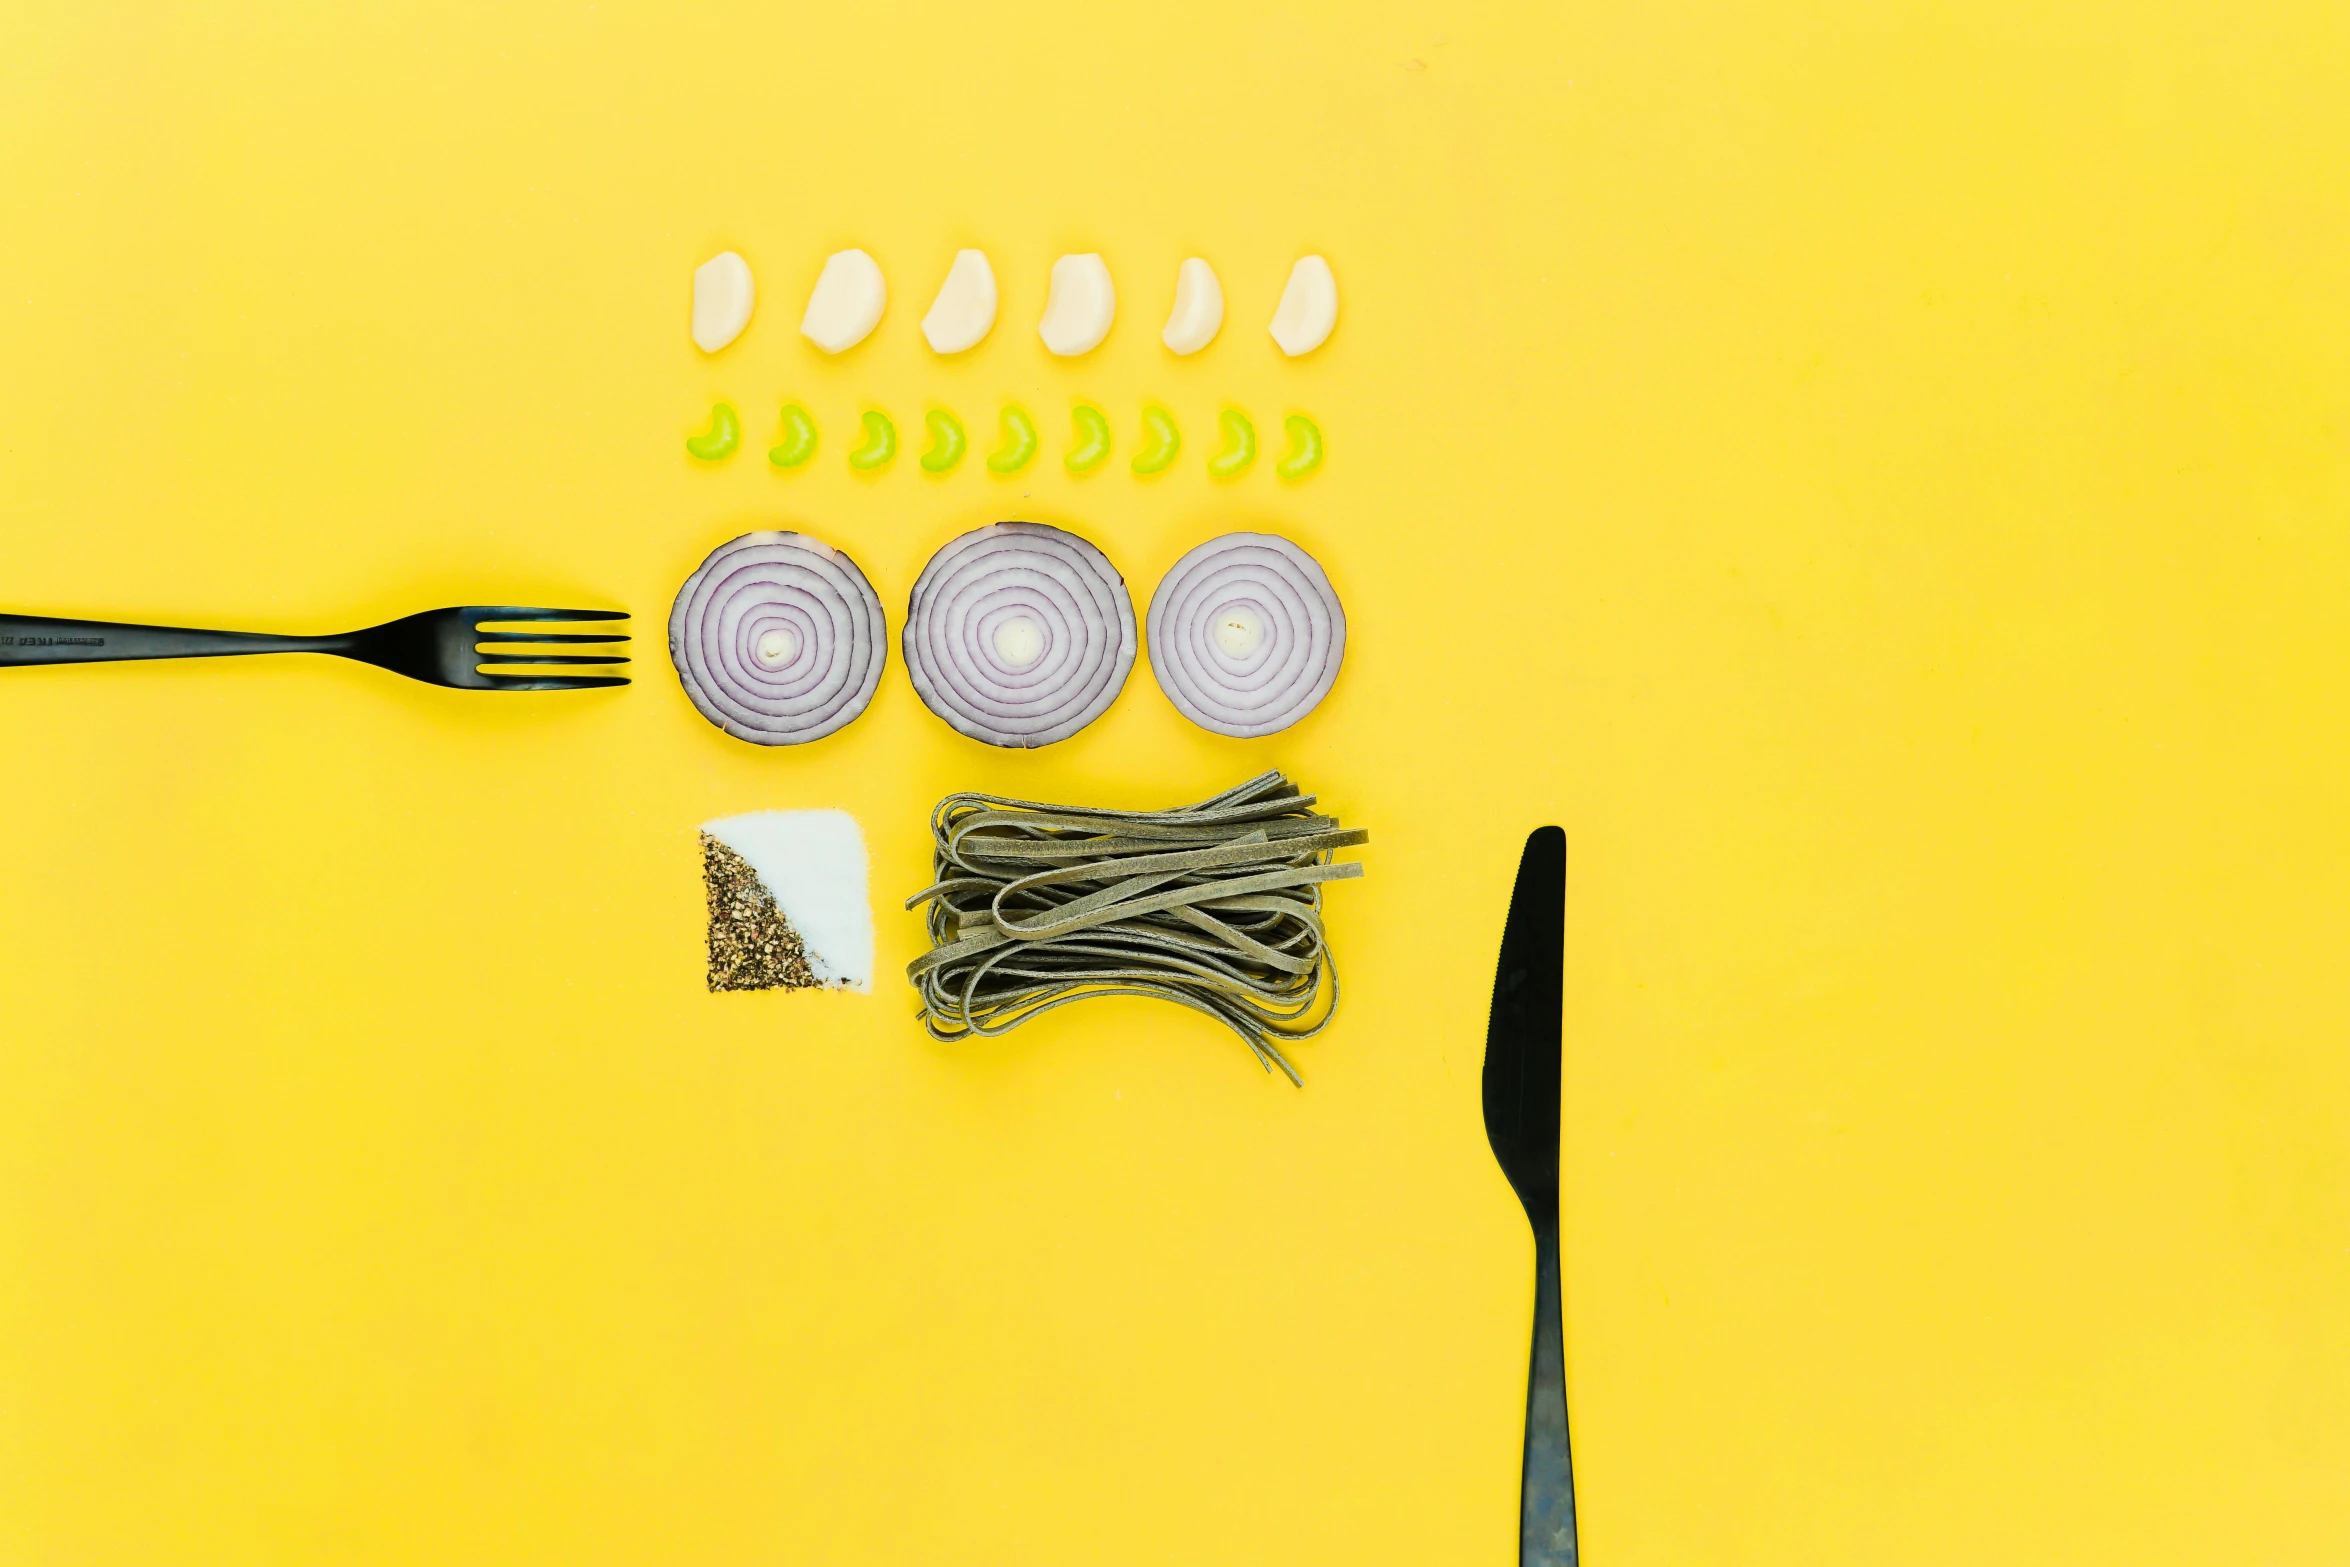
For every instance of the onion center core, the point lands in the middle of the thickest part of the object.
(778, 647)
(1238, 630)
(1019, 642)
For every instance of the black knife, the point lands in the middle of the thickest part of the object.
(1522, 1122)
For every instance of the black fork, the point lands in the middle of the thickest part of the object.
(442, 647)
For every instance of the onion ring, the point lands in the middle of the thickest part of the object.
(1246, 635)
(1019, 634)
(778, 638)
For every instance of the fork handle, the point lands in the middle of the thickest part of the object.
(37, 639)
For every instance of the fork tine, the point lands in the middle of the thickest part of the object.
(548, 658)
(549, 636)
(552, 682)
(520, 612)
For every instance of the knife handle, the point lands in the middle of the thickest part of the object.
(1546, 1503)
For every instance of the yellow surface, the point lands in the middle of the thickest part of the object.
(1874, 474)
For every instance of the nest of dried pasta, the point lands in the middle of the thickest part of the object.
(1215, 906)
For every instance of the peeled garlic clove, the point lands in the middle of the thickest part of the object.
(722, 300)
(847, 302)
(1080, 305)
(964, 311)
(1199, 308)
(1309, 307)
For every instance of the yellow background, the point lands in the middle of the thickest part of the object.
(1872, 473)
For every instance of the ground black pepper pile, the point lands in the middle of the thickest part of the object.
(752, 946)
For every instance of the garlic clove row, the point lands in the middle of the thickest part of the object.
(1080, 305)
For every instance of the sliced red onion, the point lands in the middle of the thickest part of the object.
(1245, 634)
(778, 638)
(1019, 634)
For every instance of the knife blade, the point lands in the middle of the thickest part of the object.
(1522, 1086)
